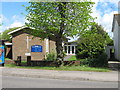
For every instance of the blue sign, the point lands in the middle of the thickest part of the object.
(1, 54)
(36, 48)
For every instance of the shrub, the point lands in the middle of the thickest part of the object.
(84, 62)
(101, 61)
(51, 57)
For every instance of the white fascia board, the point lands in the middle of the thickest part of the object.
(8, 43)
(17, 30)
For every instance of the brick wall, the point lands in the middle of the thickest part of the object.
(20, 46)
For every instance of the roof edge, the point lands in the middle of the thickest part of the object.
(17, 30)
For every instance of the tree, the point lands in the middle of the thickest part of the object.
(58, 20)
(0, 36)
(92, 42)
(91, 46)
(100, 30)
(5, 34)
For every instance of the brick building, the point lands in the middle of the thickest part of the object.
(23, 44)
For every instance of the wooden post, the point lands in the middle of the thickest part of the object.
(28, 60)
(18, 60)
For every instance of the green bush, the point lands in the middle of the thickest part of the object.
(101, 61)
(84, 62)
(51, 57)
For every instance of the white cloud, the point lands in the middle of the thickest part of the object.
(104, 1)
(15, 24)
(15, 21)
(3, 19)
(15, 17)
(105, 17)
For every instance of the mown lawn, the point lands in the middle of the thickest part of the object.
(73, 58)
(63, 68)
(7, 59)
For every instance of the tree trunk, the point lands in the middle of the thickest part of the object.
(59, 49)
(59, 37)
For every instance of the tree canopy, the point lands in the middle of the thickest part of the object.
(92, 42)
(5, 35)
(58, 20)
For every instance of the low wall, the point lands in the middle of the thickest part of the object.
(49, 63)
(9, 62)
(44, 63)
(53, 63)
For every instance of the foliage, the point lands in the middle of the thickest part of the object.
(85, 62)
(58, 20)
(101, 61)
(91, 45)
(92, 42)
(100, 30)
(51, 57)
(5, 33)
(0, 36)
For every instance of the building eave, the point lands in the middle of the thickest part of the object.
(16, 30)
(7, 44)
(116, 17)
(113, 23)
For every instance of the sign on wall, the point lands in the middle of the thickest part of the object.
(1, 54)
(36, 48)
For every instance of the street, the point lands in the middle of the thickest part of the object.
(28, 82)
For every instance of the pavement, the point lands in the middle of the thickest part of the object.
(64, 75)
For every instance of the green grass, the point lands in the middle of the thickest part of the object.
(23, 62)
(63, 68)
(7, 59)
(72, 58)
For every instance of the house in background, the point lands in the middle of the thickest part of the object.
(70, 48)
(116, 35)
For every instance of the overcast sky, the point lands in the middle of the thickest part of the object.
(10, 13)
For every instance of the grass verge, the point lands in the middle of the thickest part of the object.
(72, 58)
(63, 68)
(7, 59)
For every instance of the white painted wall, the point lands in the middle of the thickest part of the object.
(119, 43)
(117, 40)
(47, 45)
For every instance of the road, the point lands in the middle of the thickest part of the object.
(28, 82)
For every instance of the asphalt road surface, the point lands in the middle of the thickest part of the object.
(28, 82)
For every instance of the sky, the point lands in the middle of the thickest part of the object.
(11, 13)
